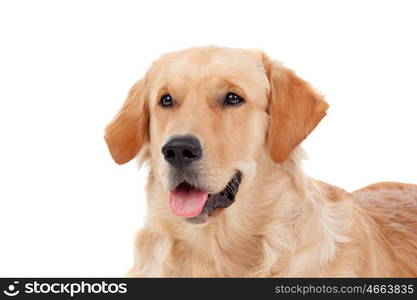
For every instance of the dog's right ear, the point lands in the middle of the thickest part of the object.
(128, 131)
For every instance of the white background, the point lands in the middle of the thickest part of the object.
(65, 67)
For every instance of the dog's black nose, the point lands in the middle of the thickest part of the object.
(182, 150)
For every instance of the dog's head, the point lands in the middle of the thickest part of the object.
(206, 115)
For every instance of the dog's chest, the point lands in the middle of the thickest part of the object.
(212, 261)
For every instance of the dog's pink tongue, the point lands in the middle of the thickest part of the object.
(187, 203)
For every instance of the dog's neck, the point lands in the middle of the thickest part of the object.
(286, 221)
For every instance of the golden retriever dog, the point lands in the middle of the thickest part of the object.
(227, 197)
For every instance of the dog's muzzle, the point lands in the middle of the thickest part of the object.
(189, 197)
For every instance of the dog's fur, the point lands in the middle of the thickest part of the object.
(283, 223)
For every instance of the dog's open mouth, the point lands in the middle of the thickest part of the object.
(196, 204)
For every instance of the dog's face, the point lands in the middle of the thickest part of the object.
(206, 115)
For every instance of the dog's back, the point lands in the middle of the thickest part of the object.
(394, 207)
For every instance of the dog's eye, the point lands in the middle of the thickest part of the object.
(166, 101)
(233, 99)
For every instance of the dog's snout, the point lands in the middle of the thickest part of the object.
(182, 150)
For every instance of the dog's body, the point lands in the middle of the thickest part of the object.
(275, 220)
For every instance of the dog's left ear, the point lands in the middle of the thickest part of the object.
(295, 109)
